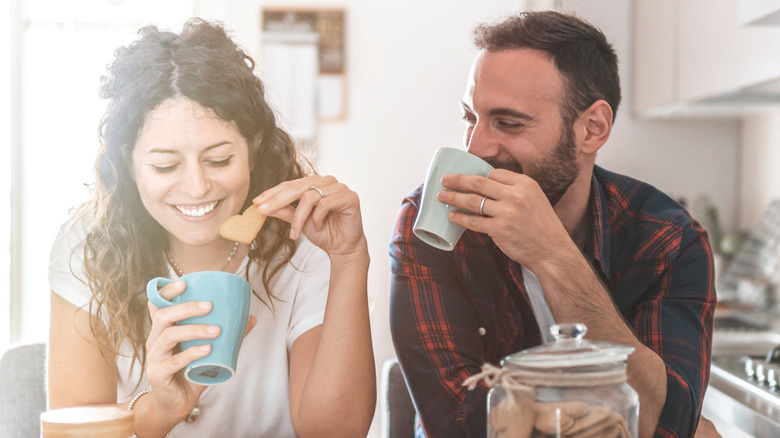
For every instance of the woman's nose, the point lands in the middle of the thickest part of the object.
(195, 182)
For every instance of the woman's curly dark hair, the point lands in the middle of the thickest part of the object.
(125, 246)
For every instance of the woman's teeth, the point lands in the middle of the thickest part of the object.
(197, 211)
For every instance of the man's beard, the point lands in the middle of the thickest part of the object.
(555, 173)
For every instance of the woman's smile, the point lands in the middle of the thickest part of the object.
(197, 210)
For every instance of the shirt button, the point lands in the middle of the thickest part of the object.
(482, 331)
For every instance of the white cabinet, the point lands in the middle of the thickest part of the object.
(694, 57)
(759, 12)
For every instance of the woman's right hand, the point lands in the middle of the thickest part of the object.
(164, 363)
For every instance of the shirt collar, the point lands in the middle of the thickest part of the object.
(601, 227)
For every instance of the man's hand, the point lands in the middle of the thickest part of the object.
(516, 215)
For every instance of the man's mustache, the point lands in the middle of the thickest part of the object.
(510, 165)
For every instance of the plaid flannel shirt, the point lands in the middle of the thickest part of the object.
(452, 311)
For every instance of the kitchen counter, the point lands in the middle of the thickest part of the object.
(735, 401)
(738, 402)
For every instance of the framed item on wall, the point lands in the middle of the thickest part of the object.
(304, 64)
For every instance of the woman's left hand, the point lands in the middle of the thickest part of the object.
(327, 213)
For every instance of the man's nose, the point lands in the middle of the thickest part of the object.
(480, 142)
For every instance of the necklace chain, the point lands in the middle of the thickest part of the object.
(179, 271)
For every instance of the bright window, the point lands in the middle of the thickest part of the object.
(65, 47)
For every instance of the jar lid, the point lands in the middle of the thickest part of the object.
(569, 350)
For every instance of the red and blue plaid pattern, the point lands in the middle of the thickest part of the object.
(453, 311)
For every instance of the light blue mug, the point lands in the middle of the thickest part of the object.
(230, 296)
(433, 225)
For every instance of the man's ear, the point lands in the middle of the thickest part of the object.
(595, 126)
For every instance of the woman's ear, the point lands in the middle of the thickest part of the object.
(596, 125)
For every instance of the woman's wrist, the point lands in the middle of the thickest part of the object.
(134, 406)
(131, 405)
(358, 255)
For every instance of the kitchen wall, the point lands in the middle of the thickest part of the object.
(760, 181)
(407, 65)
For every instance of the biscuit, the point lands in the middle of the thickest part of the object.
(243, 227)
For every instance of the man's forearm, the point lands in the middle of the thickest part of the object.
(575, 294)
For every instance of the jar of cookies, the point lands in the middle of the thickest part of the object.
(571, 387)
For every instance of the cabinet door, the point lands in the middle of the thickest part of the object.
(717, 55)
(654, 58)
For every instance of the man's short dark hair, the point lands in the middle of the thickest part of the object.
(579, 50)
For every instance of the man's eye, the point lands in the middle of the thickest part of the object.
(468, 118)
(504, 124)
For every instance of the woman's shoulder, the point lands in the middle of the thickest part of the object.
(71, 235)
(66, 262)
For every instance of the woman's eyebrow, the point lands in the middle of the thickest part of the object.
(173, 151)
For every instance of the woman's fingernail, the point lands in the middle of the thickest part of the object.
(204, 304)
(205, 348)
(263, 207)
(213, 329)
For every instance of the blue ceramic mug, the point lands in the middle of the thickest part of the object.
(230, 296)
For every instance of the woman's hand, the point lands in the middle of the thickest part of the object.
(164, 364)
(327, 213)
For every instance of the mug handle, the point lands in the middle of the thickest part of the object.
(153, 291)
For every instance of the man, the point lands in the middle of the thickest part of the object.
(608, 251)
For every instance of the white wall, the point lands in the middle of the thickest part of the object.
(407, 65)
(760, 182)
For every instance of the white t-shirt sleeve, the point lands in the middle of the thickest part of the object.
(312, 294)
(66, 265)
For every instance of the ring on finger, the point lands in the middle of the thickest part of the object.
(318, 190)
(482, 206)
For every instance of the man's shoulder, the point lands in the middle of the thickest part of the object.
(631, 199)
(408, 210)
(641, 216)
(412, 200)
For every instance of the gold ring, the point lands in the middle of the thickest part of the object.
(317, 189)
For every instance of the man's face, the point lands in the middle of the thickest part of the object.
(512, 110)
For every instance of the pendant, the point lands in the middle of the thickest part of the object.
(193, 415)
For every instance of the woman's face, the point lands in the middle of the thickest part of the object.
(191, 169)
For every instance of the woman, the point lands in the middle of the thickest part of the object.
(188, 141)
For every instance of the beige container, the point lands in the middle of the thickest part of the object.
(87, 422)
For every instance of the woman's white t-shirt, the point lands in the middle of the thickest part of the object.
(255, 403)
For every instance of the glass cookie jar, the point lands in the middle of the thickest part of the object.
(568, 388)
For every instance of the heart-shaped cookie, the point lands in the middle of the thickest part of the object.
(243, 227)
